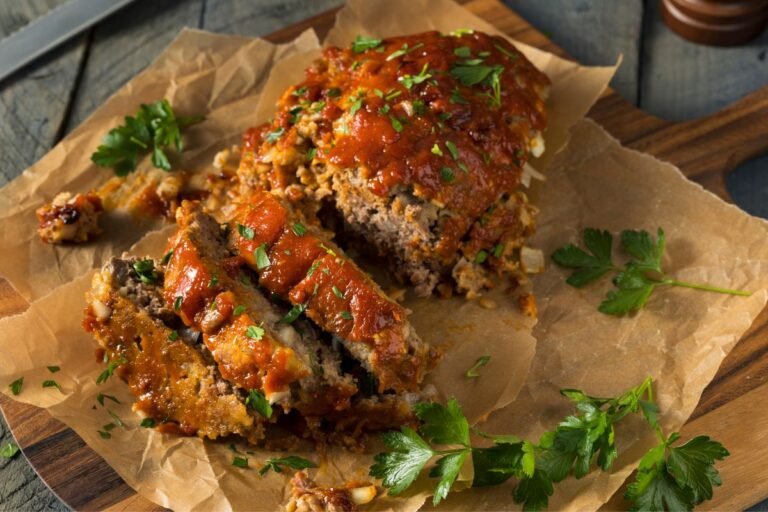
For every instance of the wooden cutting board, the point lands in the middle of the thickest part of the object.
(731, 410)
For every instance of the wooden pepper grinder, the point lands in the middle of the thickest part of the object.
(716, 22)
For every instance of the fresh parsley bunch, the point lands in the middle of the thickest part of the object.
(669, 477)
(639, 277)
(153, 128)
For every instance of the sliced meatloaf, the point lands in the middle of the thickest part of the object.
(254, 348)
(299, 263)
(420, 143)
(174, 378)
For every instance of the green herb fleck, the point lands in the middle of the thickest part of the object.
(346, 315)
(337, 292)
(472, 373)
(147, 423)
(174, 335)
(51, 384)
(9, 450)
(257, 401)
(145, 269)
(293, 314)
(446, 174)
(362, 43)
(273, 136)
(239, 310)
(298, 229)
(436, 150)
(260, 255)
(254, 332)
(291, 461)
(16, 386)
(240, 462)
(481, 256)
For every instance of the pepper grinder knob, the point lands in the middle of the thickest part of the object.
(716, 22)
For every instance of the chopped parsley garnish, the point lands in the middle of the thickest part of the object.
(111, 367)
(446, 174)
(419, 107)
(385, 109)
(403, 50)
(51, 384)
(298, 229)
(327, 249)
(301, 91)
(257, 401)
(636, 281)
(409, 80)
(214, 281)
(53, 369)
(394, 93)
(145, 269)
(356, 105)
(291, 461)
(396, 124)
(154, 128)
(174, 335)
(362, 43)
(472, 373)
(452, 149)
(505, 52)
(9, 450)
(311, 154)
(240, 462)
(16, 386)
(471, 73)
(436, 150)
(273, 136)
(498, 250)
(313, 268)
(255, 332)
(104, 435)
(337, 292)
(379, 93)
(147, 423)
(177, 303)
(318, 106)
(239, 310)
(463, 51)
(115, 419)
(463, 167)
(333, 92)
(481, 256)
(166, 257)
(260, 255)
(461, 32)
(295, 111)
(293, 314)
(101, 396)
(346, 315)
(457, 98)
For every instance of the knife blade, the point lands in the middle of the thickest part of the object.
(52, 29)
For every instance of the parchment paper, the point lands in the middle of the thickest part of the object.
(680, 339)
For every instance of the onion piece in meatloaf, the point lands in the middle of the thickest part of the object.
(420, 144)
(299, 263)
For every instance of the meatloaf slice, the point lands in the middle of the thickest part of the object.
(166, 367)
(254, 348)
(299, 263)
(416, 141)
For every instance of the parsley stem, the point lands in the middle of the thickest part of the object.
(706, 287)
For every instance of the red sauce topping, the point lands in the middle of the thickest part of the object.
(420, 113)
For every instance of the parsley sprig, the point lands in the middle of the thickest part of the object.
(639, 277)
(154, 128)
(678, 477)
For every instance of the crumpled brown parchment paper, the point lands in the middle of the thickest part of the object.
(679, 339)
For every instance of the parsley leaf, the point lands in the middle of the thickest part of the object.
(254, 332)
(154, 127)
(447, 469)
(676, 478)
(9, 450)
(51, 384)
(147, 423)
(472, 373)
(246, 232)
(145, 269)
(638, 279)
(291, 461)
(16, 386)
(362, 43)
(470, 75)
(399, 467)
(260, 255)
(443, 424)
(240, 462)
(259, 403)
(298, 229)
(588, 266)
(293, 314)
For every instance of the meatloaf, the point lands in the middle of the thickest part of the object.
(420, 144)
(208, 353)
(299, 263)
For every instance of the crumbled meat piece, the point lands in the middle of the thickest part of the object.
(69, 218)
(307, 496)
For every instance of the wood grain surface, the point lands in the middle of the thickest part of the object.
(704, 149)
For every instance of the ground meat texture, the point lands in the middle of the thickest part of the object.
(69, 218)
(169, 373)
(413, 142)
(299, 263)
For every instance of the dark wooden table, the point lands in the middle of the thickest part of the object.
(41, 103)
